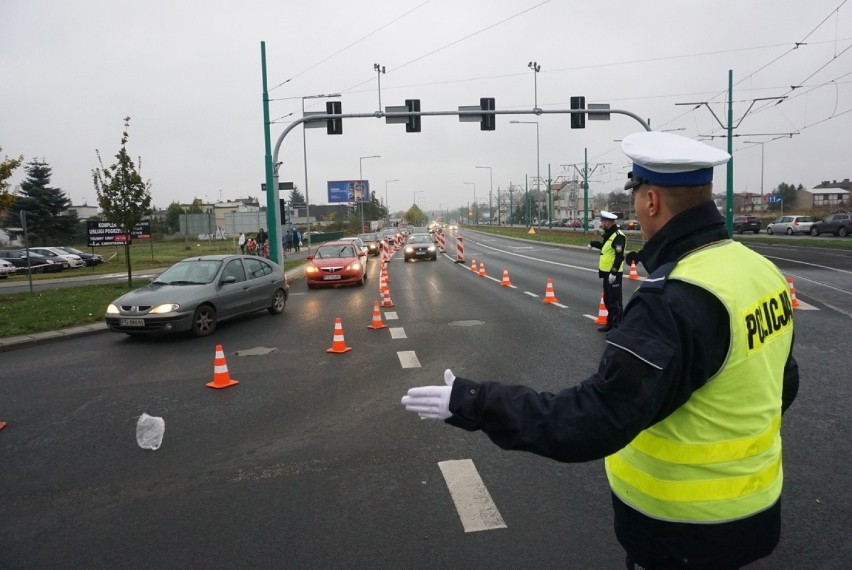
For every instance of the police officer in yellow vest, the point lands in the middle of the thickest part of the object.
(611, 267)
(686, 404)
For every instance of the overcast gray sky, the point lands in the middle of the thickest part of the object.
(189, 75)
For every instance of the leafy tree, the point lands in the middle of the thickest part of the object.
(296, 196)
(173, 213)
(7, 167)
(196, 207)
(788, 195)
(123, 196)
(415, 216)
(48, 223)
(374, 210)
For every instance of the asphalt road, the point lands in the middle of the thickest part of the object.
(311, 462)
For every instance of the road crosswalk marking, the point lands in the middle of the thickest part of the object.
(408, 359)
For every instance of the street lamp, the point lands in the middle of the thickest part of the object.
(490, 189)
(761, 166)
(536, 68)
(475, 218)
(537, 150)
(361, 180)
(380, 70)
(305, 156)
(387, 204)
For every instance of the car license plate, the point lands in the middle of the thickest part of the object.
(133, 322)
(331, 277)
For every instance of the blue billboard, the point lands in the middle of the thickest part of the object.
(348, 191)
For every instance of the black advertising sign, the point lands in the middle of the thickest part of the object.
(107, 233)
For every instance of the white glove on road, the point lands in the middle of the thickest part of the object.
(611, 278)
(431, 402)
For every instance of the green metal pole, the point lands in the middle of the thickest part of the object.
(549, 200)
(527, 191)
(729, 196)
(271, 192)
(586, 190)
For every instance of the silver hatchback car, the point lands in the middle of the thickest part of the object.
(790, 225)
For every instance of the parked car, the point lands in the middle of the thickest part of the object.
(632, 225)
(838, 223)
(790, 225)
(37, 262)
(198, 293)
(420, 246)
(372, 241)
(744, 224)
(7, 269)
(335, 263)
(90, 259)
(69, 260)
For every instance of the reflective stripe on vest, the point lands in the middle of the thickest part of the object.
(718, 457)
(607, 258)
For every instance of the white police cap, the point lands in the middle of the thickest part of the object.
(666, 159)
(608, 215)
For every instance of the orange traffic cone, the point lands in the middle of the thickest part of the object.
(377, 318)
(338, 345)
(473, 264)
(505, 282)
(383, 282)
(482, 269)
(384, 271)
(2, 425)
(386, 300)
(549, 296)
(793, 301)
(221, 377)
(602, 313)
(633, 274)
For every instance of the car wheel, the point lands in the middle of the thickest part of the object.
(740, 230)
(814, 231)
(204, 320)
(279, 300)
(789, 231)
(842, 232)
(769, 231)
(435, 258)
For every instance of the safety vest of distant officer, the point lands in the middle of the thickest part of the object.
(607, 259)
(718, 457)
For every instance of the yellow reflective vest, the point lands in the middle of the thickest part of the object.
(607, 258)
(717, 458)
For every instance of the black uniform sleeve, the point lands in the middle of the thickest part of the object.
(791, 381)
(619, 244)
(596, 244)
(652, 363)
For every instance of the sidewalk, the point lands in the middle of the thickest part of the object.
(12, 342)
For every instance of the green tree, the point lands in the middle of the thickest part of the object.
(374, 210)
(48, 222)
(7, 167)
(296, 196)
(788, 196)
(195, 207)
(123, 196)
(173, 213)
(415, 216)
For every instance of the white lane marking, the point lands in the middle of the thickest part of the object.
(805, 306)
(397, 332)
(391, 316)
(537, 258)
(593, 317)
(474, 505)
(407, 359)
(530, 294)
(560, 305)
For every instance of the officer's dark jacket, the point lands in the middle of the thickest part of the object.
(684, 332)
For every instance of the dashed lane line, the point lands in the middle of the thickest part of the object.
(408, 359)
(474, 505)
(397, 332)
(391, 316)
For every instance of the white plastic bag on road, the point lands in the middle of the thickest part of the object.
(149, 432)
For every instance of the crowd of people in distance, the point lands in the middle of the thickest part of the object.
(259, 243)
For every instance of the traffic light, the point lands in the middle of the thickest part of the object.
(578, 120)
(487, 123)
(413, 124)
(334, 126)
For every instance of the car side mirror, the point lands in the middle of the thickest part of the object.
(229, 279)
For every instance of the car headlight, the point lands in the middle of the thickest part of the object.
(112, 309)
(166, 308)
(311, 269)
(431, 248)
(354, 267)
(409, 249)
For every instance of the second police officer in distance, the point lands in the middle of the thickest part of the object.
(611, 267)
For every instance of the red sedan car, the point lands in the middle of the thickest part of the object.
(335, 263)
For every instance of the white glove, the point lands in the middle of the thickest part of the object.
(611, 278)
(589, 247)
(431, 402)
